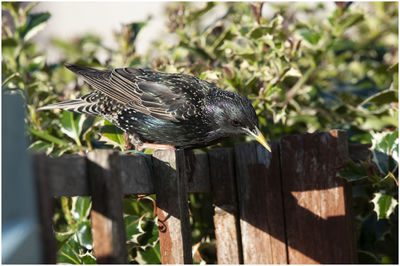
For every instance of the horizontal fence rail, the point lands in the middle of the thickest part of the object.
(287, 206)
(68, 175)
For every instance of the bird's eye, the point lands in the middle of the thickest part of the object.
(235, 123)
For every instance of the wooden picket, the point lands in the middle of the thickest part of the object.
(287, 206)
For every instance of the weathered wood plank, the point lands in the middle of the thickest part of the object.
(226, 222)
(260, 204)
(46, 208)
(68, 176)
(200, 181)
(344, 149)
(172, 206)
(136, 174)
(318, 221)
(108, 227)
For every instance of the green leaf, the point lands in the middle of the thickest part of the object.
(88, 258)
(8, 43)
(251, 84)
(84, 235)
(383, 97)
(259, 31)
(378, 121)
(132, 227)
(385, 151)
(272, 91)
(150, 235)
(69, 253)
(248, 56)
(194, 15)
(36, 63)
(150, 255)
(346, 22)
(63, 236)
(226, 35)
(44, 135)
(112, 135)
(386, 142)
(310, 36)
(351, 20)
(81, 207)
(72, 126)
(42, 146)
(33, 25)
(39, 145)
(16, 77)
(311, 120)
(394, 69)
(60, 151)
(353, 171)
(384, 205)
(366, 257)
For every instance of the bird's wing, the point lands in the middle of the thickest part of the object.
(163, 96)
(98, 79)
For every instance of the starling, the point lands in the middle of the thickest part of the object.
(156, 108)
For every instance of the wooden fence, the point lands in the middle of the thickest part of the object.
(287, 206)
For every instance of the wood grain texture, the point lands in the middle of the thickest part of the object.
(200, 181)
(260, 204)
(68, 176)
(108, 227)
(136, 174)
(46, 208)
(226, 222)
(172, 206)
(318, 219)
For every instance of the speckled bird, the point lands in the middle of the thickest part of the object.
(162, 110)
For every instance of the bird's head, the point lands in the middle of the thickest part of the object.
(234, 115)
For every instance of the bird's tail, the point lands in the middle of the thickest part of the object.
(77, 106)
(85, 71)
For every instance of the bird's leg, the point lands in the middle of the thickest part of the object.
(139, 145)
(154, 146)
(128, 144)
(132, 140)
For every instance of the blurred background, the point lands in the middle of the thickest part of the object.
(72, 19)
(306, 67)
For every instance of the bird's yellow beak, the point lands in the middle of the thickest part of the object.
(260, 138)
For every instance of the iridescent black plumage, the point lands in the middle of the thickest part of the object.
(174, 109)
